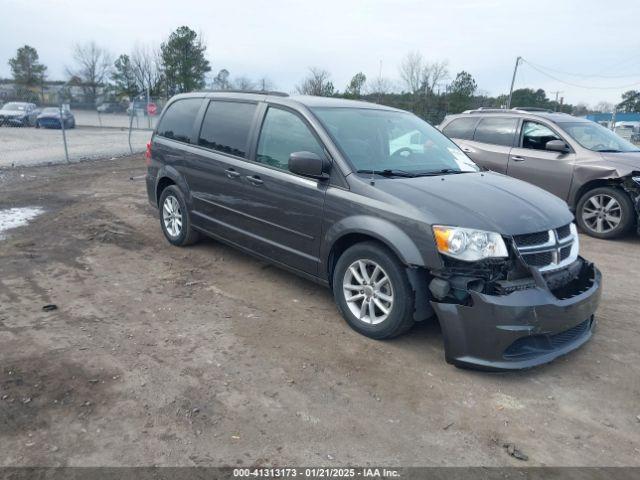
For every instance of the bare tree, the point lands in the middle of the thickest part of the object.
(146, 64)
(604, 107)
(411, 69)
(318, 83)
(379, 86)
(244, 83)
(93, 67)
(432, 74)
(420, 76)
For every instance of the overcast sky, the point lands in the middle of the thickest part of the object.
(281, 39)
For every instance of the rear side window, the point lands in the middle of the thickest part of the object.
(282, 134)
(460, 128)
(226, 127)
(177, 122)
(496, 131)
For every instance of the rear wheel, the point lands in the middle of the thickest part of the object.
(174, 218)
(372, 291)
(605, 212)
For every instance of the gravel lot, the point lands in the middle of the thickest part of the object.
(31, 146)
(204, 356)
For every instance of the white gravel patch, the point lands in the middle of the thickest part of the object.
(17, 217)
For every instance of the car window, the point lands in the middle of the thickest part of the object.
(177, 122)
(460, 128)
(282, 134)
(535, 135)
(226, 127)
(496, 131)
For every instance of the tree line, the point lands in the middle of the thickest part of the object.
(179, 64)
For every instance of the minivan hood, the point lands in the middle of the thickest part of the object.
(487, 201)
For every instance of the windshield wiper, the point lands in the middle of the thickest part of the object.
(444, 171)
(609, 150)
(388, 172)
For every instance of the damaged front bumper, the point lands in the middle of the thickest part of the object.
(524, 328)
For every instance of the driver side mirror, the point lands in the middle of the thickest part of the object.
(557, 146)
(308, 164)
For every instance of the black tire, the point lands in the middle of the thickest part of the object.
(37, 124)
(400, 317)
(627, 211)
(187, 235)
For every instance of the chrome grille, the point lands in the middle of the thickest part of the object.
(548, 250)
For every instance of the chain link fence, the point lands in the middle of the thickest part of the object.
(54, 130)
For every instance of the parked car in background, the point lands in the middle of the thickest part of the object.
(110, 107)
(52, 118)
(379, 206)
(19, 114)
(594, 170)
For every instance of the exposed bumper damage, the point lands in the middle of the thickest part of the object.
(496, 323)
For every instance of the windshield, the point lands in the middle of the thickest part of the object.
(51, 110)
(597, 138)
(14, 106)
(384, 141)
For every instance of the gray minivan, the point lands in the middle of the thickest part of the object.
(590, 167)
(383, 209)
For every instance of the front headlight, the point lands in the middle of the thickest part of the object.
(469, 244)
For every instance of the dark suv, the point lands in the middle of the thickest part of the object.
(594, 170)
(387, 212)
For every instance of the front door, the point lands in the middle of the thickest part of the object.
(284, 220)
(532, 162)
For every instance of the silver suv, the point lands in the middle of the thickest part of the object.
(594, 170)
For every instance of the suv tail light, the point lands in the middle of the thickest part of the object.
(147, 154)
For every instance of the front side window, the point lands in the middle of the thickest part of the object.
(496, 131)
(177, 122)
(535, 136)
(461, 128)
(597, 138)
(387, 140)
(226, 127)
(284, 133)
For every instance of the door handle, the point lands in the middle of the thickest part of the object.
(517, 158)
(231, 173)
(255, 180)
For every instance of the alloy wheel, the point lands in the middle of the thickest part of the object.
(602, 213)
(172, 216)
(368, 291)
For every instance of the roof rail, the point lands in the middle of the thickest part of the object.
(532, 109)
(255, 92)
(487, 110)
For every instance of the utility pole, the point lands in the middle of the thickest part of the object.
(557, 92)
(513, 80)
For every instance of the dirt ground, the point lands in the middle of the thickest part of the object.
(158, 355)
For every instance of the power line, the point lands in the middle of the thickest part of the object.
(583, 75)
(592, 87)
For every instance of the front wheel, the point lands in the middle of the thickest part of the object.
(372, 291)
(605, 212)
(174, 218)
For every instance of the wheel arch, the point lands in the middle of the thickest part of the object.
(167, 176)
(395, 240)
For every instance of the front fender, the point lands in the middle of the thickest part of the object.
(386, 232)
